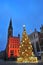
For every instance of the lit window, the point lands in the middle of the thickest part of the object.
(11, 52)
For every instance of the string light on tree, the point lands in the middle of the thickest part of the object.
(29, 42)
(26, 51)
(22, 44)
(31, 46)
(28, 47)
(26, 54)
(32, 53)
(22, 52)
(23, 40)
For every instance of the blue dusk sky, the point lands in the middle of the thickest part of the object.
(28, 12)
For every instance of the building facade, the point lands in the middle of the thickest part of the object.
(13, 47)
(37, 41)
(13, 43)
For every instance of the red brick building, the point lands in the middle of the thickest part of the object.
(13, 47)
(13, 43)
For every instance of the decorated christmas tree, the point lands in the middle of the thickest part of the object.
(26, 51)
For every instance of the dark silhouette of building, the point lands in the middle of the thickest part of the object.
(10, 29)
(2, 54)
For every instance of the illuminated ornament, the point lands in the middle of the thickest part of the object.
(22, 52)
(20, 59)
(23, 41)
(26, 60)
(32, 54)
(25, 38)
(26, 50)
(31, 46)
(26, 54)
(22, 44)
(28, 47)
(29, 42)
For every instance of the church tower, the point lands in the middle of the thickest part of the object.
(10, 29)
(13, 44)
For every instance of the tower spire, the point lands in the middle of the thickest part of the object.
(10, 25)
(10, 29)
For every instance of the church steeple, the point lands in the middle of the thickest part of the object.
(10, 29)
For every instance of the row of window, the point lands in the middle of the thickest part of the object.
(12, 52)
(14, 46)
(14, 41)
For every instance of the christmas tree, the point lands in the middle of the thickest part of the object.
(26, 51)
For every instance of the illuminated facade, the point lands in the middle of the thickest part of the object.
(13, 47)
(13, 43)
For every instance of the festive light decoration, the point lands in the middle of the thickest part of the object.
(22, 44)
(31, 46)
(26, 54)
(25, 38)
(22, 52)
(23, 41)
(28, 47)
(29, 42)
(26, 51)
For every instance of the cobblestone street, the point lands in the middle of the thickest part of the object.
(14, 63)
